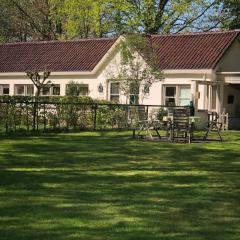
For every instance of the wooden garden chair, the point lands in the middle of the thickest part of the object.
(214, 125)
(181, 128)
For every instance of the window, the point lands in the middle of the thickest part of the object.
(46, 90)
(114, 92)
(76, 89)
(83, 90)
(56, 90)
(24, 89)
(51, 90)
(4, 89)
(177, 95)
(29, 90)
(134, 94)
(184, 96)
(170, 96)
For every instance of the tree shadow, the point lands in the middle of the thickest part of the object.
(104, 186)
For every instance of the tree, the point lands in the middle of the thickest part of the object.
(232, 10)
(137, 70)
(24, 20)
(86, 18)
(40, 82)
(164, 16)
(31, 20)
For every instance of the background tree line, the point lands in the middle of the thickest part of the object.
(24, 20)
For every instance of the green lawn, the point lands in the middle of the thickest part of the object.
(107, 186)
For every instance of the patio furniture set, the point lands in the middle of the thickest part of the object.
(179, 126)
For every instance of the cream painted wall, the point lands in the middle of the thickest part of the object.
(231, 108)
(231, 60)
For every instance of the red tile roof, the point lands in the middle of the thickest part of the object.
(81, 55)
(192, 51)
(179, 51)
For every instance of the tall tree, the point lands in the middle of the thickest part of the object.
(23, 20)
(31, 20)
(87, 18)
(133, 75)
(164, 16)
(232, 9)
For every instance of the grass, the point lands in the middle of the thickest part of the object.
(106, 186)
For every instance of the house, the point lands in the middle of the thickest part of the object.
(199, 67)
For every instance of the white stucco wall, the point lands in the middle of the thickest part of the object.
(231, 60)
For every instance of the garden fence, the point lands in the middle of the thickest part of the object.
(57, 116)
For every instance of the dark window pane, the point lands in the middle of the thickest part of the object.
(170, 102)
(6, 90)
(83, 90)
(56, 90)
(114, 88)
(19, 90)
(114, 98)
(170, 91)
(134, 99)
(46, 90)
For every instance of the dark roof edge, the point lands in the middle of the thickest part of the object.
(194, 33)
(59, 41)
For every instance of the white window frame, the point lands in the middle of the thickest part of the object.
(166, 97)
(25, 87)
(85, 86)
(114, 94)
(177, 96)
(2, 86)
(51, 90)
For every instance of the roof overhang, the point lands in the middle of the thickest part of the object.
(100, 64)
(22, 74)
(230, 77)
(233, 80)
(189, 71)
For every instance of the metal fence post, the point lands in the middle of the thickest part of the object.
(95, 116)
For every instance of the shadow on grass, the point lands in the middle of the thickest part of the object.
(103, 186)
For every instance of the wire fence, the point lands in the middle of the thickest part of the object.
(57, 116)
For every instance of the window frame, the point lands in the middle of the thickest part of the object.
(170, 97)
(51, 90)
(79, 95)
(177, 97)
(114, 94)
(2, 87)
(83, 86)
(25, 89)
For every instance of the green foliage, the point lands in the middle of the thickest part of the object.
(23, 20)
(59, 113)
(161, 113)
(232, 9)
(138, 69)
